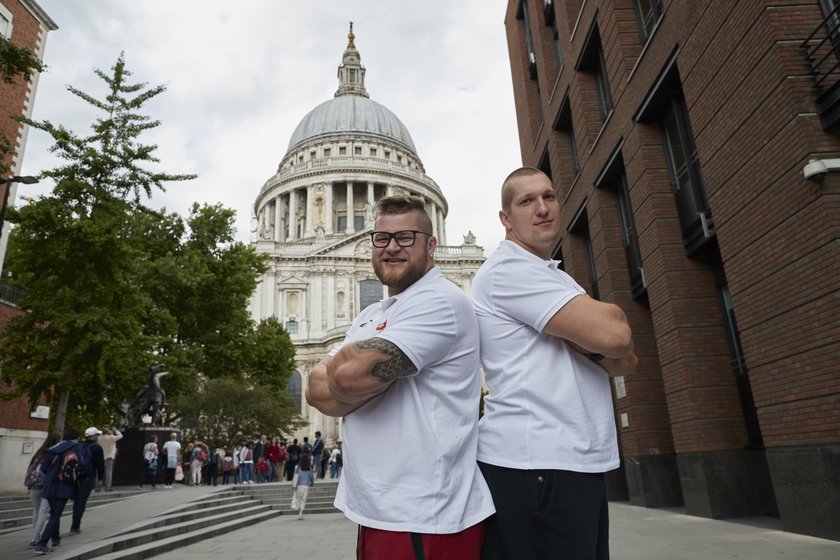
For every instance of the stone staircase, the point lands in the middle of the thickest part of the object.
(225, 510)
(16, 511)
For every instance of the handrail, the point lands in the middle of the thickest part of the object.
(817, 48)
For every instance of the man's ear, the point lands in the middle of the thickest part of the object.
(503, 217)
(432, 245)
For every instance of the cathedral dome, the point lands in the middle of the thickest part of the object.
(351, 114)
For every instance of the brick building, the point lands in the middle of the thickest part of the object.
(25, 24)
(677, 135)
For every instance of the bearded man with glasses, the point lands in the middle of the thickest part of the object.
(406, 381)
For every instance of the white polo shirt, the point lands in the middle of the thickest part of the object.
(549, 406)
(410, 453)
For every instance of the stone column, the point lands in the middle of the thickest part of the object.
(328, 202)
(350, 215)
(309, 228)
(434, 217)
(369, 207)
(278, 219)
(292, 216)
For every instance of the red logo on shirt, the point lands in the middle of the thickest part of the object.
(382, 325)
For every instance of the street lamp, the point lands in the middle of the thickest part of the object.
(27, 180)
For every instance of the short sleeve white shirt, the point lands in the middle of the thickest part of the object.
(549, 406)
(410, 453)
(172, 447)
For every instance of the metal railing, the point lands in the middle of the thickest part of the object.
(10, 294)
(822, 50)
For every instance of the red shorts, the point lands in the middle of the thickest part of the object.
(376, 544)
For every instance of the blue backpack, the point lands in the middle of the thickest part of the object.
(85, 459)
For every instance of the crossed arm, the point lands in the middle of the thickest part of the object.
(358, 372)
(594, 327)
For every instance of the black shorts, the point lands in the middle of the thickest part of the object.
(546, 514)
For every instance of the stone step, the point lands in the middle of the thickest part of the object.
(155, 540)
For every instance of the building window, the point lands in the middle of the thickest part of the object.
(342, 151)
(568, 143)
(387, 154)
(551, 21)
(523, 15)
(630, 238)
(342, 224)
(370, 292)
(5, 22)
(374, 152)
(591, 60)
(352, 75)
(686, 178)
(294, 387)
(327, 152)
(604, 95)
(357, 150)
(292, 327)
(649, 13)
(358, 222)
(580, 228)
(545, 165)
(312, 154)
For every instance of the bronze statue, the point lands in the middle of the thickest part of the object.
(150, 399)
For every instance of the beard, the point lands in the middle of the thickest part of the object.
(399, 280)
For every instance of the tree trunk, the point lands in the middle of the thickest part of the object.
(63, 401)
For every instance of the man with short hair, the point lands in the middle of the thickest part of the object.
(406, 381)
(108, 442)
(89, 478)
(547, 350)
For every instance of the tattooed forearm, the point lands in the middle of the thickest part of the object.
(396, 365)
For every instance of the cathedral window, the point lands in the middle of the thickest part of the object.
(342, 151)
(370, 291)
(295, 386)
(357, 150)
(292, 327)
(374, 152)
(327, 152)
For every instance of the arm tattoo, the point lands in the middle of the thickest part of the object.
(395, 366)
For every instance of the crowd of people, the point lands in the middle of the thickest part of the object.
(260, 461)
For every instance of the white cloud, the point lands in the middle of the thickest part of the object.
(240, 77)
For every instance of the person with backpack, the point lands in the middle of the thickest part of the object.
(91, 475)
(34, 483)
(150, 455)
(293, 451)
(58, 465)
(199, 456)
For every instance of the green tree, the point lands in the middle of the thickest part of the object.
(250, 399)
(75, 253)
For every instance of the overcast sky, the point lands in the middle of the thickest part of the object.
(241, 76)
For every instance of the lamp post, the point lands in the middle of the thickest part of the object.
(27, 180)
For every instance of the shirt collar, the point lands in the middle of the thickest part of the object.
(432, 274)
(511, 246)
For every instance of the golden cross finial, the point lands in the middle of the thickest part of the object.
(350, 37)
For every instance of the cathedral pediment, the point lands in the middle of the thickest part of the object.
(352, 245)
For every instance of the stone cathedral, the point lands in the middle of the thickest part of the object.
(315, 214)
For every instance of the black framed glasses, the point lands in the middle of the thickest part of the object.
(405, 238)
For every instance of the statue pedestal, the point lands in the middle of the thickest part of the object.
(129, 464)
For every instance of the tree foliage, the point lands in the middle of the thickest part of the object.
(113, 286)
(225, 412)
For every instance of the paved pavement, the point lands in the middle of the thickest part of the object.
(636, 533)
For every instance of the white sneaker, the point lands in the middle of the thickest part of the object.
(300, 516)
